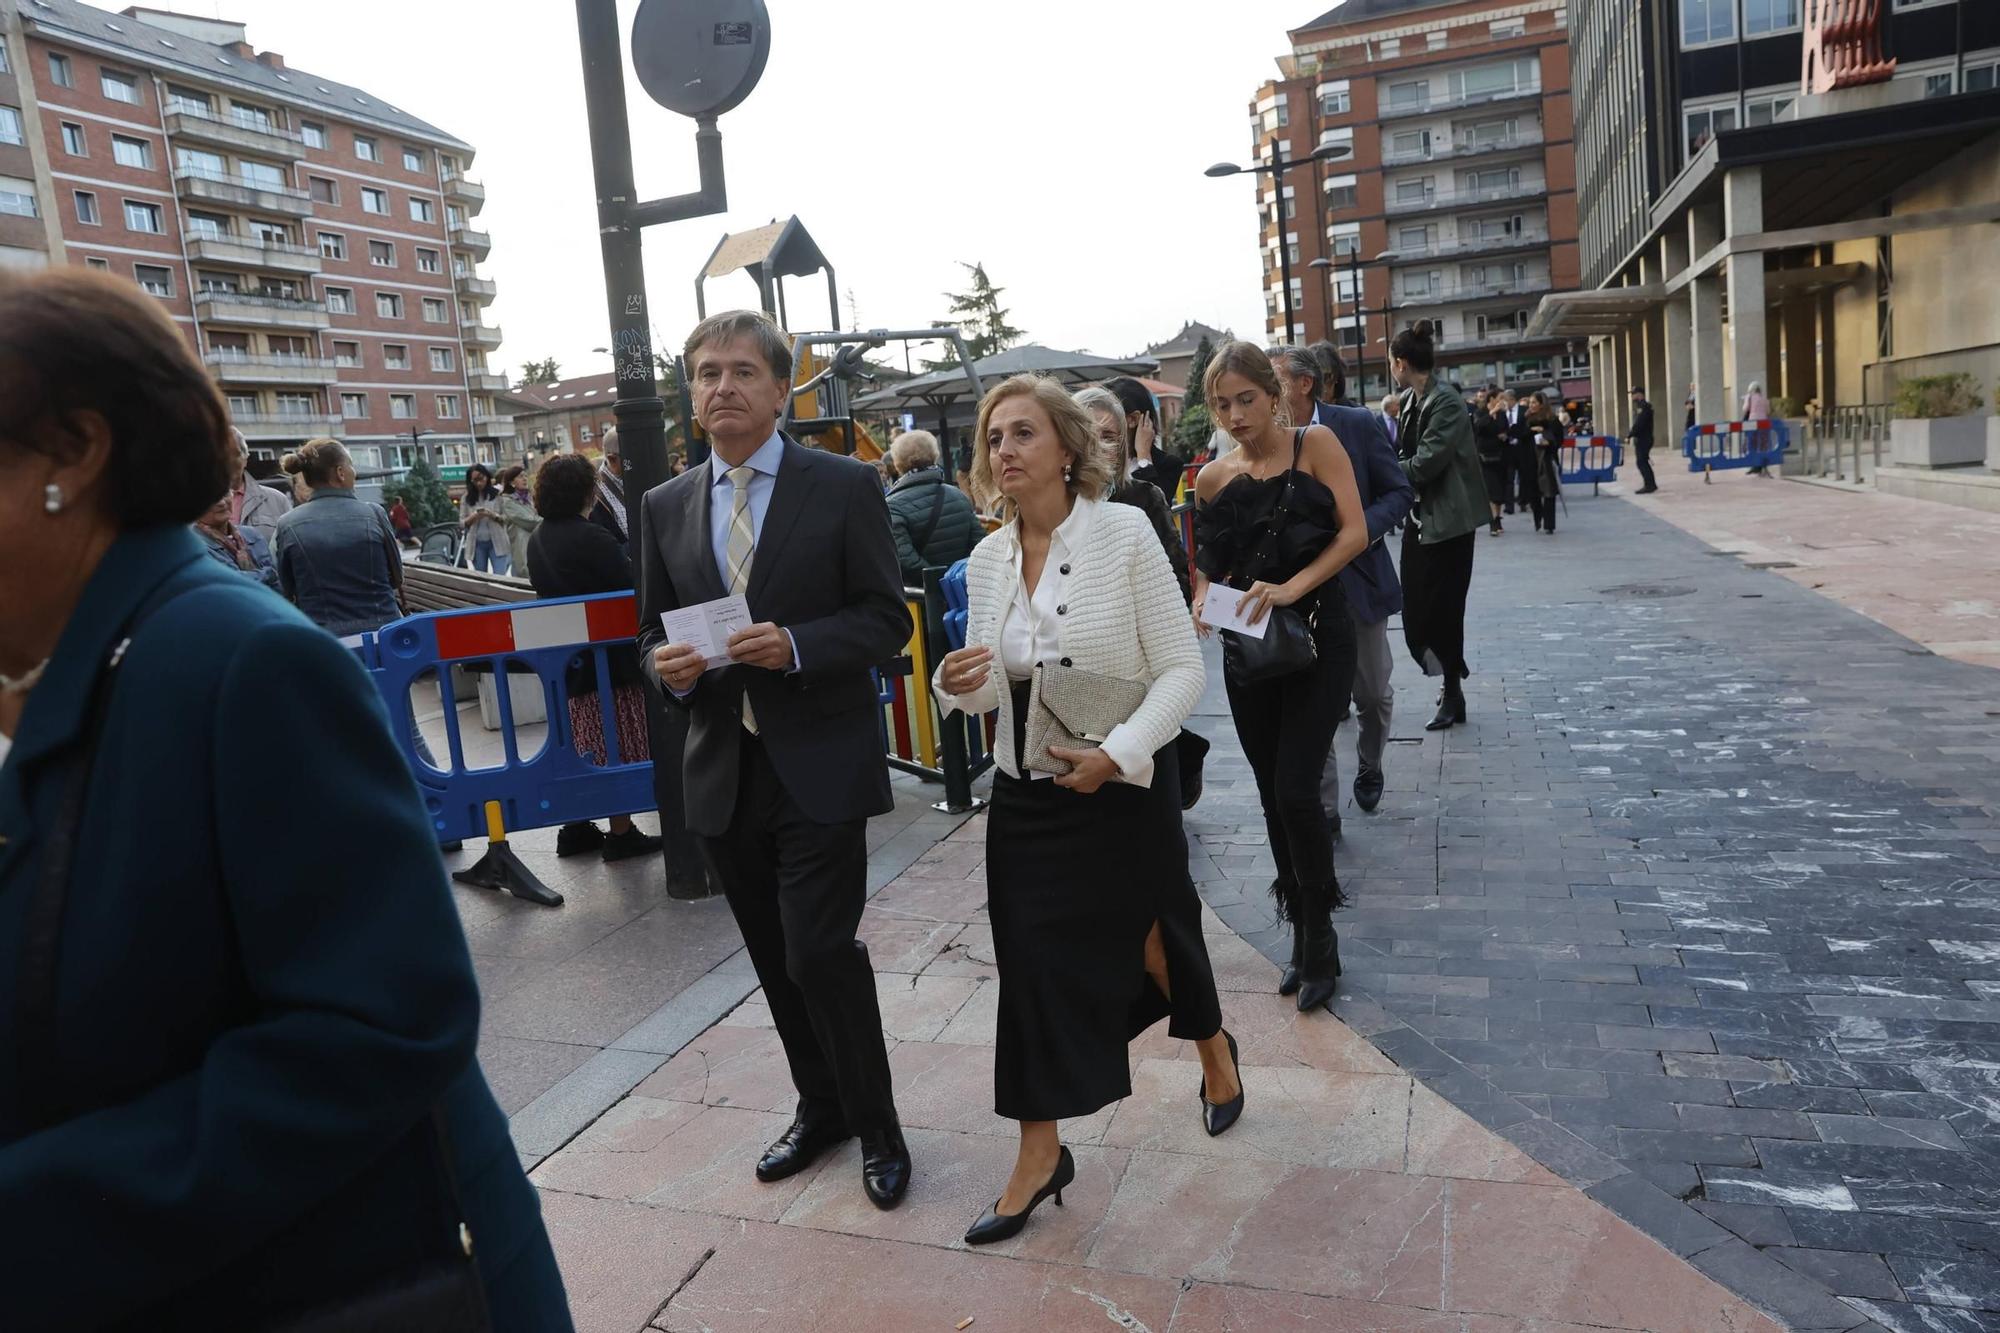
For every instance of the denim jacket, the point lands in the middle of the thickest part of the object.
(338, 560)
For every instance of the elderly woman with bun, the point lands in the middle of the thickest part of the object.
(337, 555)
(240, 1086)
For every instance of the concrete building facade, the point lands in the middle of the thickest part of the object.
(1457, 202)
(316, 244)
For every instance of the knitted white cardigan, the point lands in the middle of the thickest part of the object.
(1123, 616)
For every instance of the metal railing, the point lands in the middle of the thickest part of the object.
(1440, 151)
(259, 299)
(1425, 105)
(233, 117)
(1445, 293)
(242, 182)
(1491, 194)
(1844, 443)
(1475, 245)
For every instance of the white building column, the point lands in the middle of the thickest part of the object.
(1705, 319)
(1676, 341)
(1743, 215)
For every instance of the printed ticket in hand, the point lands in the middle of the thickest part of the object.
(708, 626)
(1222, 608)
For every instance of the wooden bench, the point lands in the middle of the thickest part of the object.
(429, 587)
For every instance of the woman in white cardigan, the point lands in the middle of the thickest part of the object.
(1096, 929)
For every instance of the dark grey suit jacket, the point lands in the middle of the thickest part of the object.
(826, 570)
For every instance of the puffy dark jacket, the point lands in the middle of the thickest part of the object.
(958, 529)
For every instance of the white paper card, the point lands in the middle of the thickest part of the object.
(708, 626)
(1222, 608)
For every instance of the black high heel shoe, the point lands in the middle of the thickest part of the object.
(1216, 1118)
(995, 1225)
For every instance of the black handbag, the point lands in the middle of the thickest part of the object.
(439, 1293)
(1288, 646)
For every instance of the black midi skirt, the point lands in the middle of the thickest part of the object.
(1074, 884)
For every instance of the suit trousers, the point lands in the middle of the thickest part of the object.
(796, 888)
(1642, 454)
(1374, 704)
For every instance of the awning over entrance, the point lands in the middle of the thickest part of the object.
(1593, 314)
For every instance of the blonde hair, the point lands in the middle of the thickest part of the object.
(914, 449)
(1253, 363)
(1090, 472)
(317, 461)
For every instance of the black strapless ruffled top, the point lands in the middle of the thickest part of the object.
(1230, 530)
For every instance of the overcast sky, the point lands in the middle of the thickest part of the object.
(1061, 142)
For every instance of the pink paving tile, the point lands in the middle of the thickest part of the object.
(1445, 1141)
(1366, 1235)
(1534, 1252)
(918, 1008)
(621, 1260)
(956, 1177)
(974, 1023)
(1208, 1308)
(679, 1155)
(783, 1278)
(1269, 1030)
(898, 944)
(915, 898)
(1239, 967)
(727, 1066)
(1306, 1117)
(968, 954)
(941, 1085)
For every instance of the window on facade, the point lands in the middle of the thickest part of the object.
(195, 162)
(189, 100)
(297, 405)
(1761, 17)
(1939, 85)
(1704, 125)
(382, 254)
(1410, 144)
(340, 300)
(155, 278)
(1501, 29)
(1390, 48)
(441, 358)
(422, 210)
(366, 149)
(1346, 239)
(323, 191)
(1409, 96)
(375, 201)
(128, 152)
(1982, 78)
(388, 305)
(1284, 113)
(229, 346)
(75, 143)
(119, 87)
(402, 406)
(1334, 99)
(4, 66)
(289, 347)
(1415, 191)
(86, 208)
(447, 406)
(1501, 79)
(1707, 21)
(217, 282)
(143, 217)
(61, 73)
(98, 264)
(332, 245)
(264, 176)
(10, 125)
(313, 133)
(1765, 110)
(347, 355)
(1420, 283)
(1413, 240)
(413, 159)
(1341, 192)
(1492, 182)
(395, 356)
(245, 405)
(429, 261)
(354, 406)
(435, 311)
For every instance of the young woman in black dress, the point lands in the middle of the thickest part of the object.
(1277, 518)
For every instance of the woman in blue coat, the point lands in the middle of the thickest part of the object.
(237, 1013)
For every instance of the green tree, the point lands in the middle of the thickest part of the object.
(1191, 432)
(1198, 371)
(423, 492)
(541, 372)
(979, 316)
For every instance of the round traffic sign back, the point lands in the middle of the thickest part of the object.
(700, 57)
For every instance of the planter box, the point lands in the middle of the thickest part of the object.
(1993, 444)
(524, 696)
(1937, 442)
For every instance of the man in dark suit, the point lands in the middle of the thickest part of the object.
(1641, 436)
(784, 760)
(1369, 580)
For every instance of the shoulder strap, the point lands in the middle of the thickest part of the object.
(930, 524)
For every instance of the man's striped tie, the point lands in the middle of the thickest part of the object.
(742, 546)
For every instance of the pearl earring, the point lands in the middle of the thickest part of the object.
(52, 498)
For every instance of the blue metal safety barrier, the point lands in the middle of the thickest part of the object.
(1591, 458)
(1735, 444)
(539, 641)
(956, 605)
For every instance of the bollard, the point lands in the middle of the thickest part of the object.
(499, 868)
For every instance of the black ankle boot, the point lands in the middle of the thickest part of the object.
(1286, 895)
(1319, 945)
(1451, 706)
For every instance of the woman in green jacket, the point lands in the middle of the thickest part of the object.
(1438, 454)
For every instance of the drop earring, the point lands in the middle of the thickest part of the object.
(52, 499)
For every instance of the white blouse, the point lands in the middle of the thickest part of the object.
(1029, 630)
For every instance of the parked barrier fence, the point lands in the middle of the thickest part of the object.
(1721, 445)
(1591, 458)
(916, 736)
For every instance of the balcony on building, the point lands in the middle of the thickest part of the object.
(480, 289)
(1527, 238)
(459, 190)
(487, 381)
(483, 336)
(1410, 298)
(497, 424)
(476, 243)
(1433, 103)
(288, 425)
(236, 130)
(1436, 201)
(233, 191)
(267, 311)
(252, 252)
(1439, 148)
(231, 366)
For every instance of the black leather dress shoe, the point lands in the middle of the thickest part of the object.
(885, 1167)
(799, 1147)
(1368, 789)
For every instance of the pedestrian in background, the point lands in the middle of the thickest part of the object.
(252, 504)
(609, 511)
(1094, 936)
(240, 548)
(1544, 438)
(1387, 410)
(1147, 456)
(479, 519)
(336, 554)
(1277, 520)
(932, 520)
(399, 522)
(1756, 407)
(1488, 438)
(518, 517)
(569, 556)
(1443, 463)
(240, 1022)
(1641, 436)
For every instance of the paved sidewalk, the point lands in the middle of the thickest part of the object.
(1348, 1197)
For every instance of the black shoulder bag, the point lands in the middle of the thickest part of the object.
(440, 1293)
(1287, 646)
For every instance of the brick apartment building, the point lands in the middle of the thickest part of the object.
(1458, 203)
(567, 416)
(315, 242)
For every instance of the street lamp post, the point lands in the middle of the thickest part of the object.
(1276, 169)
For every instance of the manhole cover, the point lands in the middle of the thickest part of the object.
(1646, 590)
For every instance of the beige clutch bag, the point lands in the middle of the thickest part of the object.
(1076, 710)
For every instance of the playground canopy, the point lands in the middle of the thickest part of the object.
(943, 389)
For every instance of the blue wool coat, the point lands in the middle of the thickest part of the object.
(262, 988)
(1386, 496)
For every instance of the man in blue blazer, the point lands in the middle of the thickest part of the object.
(1373, 592)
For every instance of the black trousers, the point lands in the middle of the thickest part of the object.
(1435, 580)
(1286, 726)
(1545, 510)
(796, 889)
(1642, 454)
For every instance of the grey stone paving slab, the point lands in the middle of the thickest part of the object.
(1701, 909)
